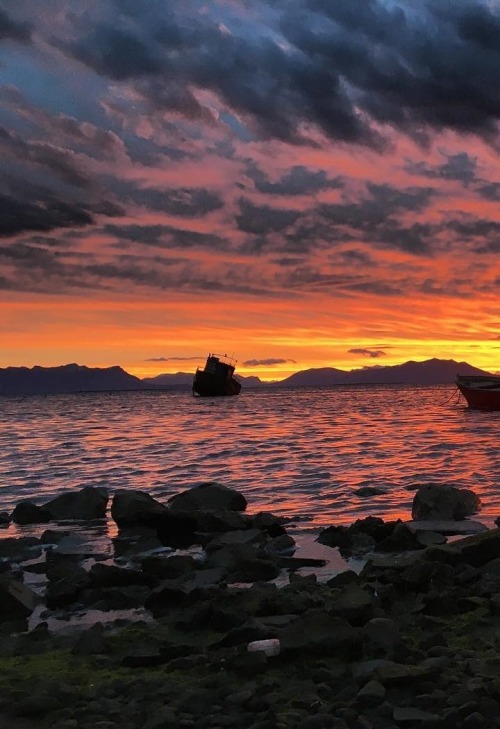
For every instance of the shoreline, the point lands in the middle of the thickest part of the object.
(402, 637)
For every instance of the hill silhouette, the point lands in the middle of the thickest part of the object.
(79, 378)
(65, 379)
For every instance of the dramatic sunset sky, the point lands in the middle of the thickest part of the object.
(305, 183)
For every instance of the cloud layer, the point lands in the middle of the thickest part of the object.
(342, 153)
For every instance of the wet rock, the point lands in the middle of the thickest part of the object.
(266, 521)
(16, 600)
(165, 567)
(102, 575)
(86, 504)
(401, 539)
(320, 633)
(433, 501)
(211, 496)
(244, 563)
(26, 512)
(19, 548)
(66, 590)
(135, 508)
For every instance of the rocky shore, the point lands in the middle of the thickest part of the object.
(223, 627)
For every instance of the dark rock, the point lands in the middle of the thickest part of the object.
(16, 600)
(365, 491)
(244, 563)
(400, 539)
(169, 567)
(479, 549)
(135, 508)
(102, 575)
(88, 503)
(66, 590)
(210, 496)
(131, 542)
(444, 502)
(319, 633)
(90, 642)
(26, 512)
(5, 518)
(265, 521)
(19, 548)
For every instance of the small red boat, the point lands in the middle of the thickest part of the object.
(482, 392)
(217, 378)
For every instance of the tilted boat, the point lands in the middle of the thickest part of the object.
(482, 392)
(217, 378)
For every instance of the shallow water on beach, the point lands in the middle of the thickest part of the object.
(303, 454)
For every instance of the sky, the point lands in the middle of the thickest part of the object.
(297, 183)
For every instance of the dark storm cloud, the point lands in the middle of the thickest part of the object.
(344, 67)
(17, 216)
(460, 167)
(184, 202)
(267, 362)
(373, 353)
(490, 191)
(165, 236)
(13, 30)
(55, 160)
(484, 233)
(261, 219)
(297, 180)
(374, 217)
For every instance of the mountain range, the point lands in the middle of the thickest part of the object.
(78, 378)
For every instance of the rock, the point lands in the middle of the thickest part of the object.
(372, 693)
(365, 491)
(19, 549)
(168, 568)
(88, 503)
(103, 575)
(448, 527)
(479, 549)
(244, 563)
(400, 539)
(383, 632)
(210, 496)
(16, 600)
(90, 642)
(319, 633)
(135, 508)
(26, 512)
(265, 521)
(67, 590)
(444, 502)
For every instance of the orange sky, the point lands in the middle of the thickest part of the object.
(239, 182)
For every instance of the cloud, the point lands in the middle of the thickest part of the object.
(14, 30)
(374, 353)
(263, 219)
(172, 359)
(267, 362)
(460, 167)
(17, 216)
(298, 180)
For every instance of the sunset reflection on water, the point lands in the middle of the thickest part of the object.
(304, 454)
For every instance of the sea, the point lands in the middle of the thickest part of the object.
(317, 456)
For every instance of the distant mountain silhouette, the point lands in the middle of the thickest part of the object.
(430, 372)
(78, 378)
(64, 379)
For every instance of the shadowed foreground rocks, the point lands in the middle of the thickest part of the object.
(410, 641)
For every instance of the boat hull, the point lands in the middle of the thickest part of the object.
(207, 385)
(481, 393)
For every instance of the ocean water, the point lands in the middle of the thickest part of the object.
(301, 453)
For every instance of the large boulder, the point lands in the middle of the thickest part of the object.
(88, 503)
(210, 496)
(135, 508)
(435, 502)
(26, 512)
